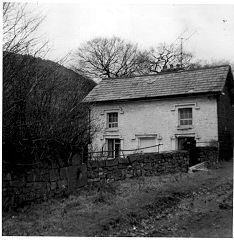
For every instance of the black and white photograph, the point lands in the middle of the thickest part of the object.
(117, 118)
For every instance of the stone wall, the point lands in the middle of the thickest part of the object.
(47, 181)
(208, 154)
(147, 164)
(41, 182)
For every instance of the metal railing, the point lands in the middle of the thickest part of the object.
(111, 154)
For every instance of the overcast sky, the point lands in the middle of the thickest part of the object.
(67, 25)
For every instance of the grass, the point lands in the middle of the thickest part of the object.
(96, 212)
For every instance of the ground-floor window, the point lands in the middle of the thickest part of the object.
(113, 147)
(146, 143)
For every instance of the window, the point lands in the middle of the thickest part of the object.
(147, 143)
(113, 146)
(185, 117)
(112, 120)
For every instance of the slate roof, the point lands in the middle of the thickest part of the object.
(204, 80)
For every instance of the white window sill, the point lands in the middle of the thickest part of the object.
(184, 127)
(111, 129)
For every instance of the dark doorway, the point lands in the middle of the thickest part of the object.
(189, 144)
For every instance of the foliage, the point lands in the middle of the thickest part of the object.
(43, 115)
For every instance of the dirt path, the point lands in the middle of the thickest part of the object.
(179, 205)
(203, 213)
(204, 210)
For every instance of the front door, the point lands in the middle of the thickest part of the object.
(189, 144)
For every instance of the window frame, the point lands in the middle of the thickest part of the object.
(184, 118)
(112, 153)
(112, 124)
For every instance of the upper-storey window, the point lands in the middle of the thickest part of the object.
(185, 117)
(112, 120)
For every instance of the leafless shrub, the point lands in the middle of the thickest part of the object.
(43, 116)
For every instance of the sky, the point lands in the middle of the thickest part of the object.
(208, 30)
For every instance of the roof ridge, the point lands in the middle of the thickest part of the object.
(165, 73)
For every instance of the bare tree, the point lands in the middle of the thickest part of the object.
(43, 113)
(156, 59)
(20, 29)
(106, 58)
(43, 116)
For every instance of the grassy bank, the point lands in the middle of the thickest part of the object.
(147, 206)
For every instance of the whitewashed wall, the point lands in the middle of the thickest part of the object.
(157, 118)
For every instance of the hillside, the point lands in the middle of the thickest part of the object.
(43, 111)
(39, 66)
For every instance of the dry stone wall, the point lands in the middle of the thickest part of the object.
(46, 181)
(42, 182)
(208, 154)
(135, 165)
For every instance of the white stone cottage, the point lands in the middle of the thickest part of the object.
(169, 108)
